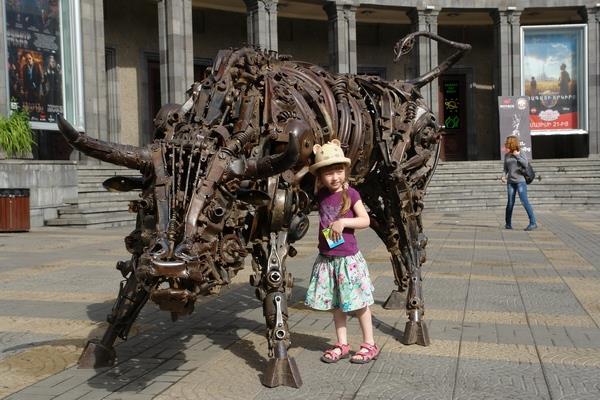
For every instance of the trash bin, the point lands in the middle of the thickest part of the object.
(14, 210)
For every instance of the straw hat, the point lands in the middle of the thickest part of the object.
(328, 154)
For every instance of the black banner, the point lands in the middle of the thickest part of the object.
(34, 58)
(514, 120)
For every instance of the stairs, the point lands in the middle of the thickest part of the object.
(95, 207)
(461, 185)
(475, 185)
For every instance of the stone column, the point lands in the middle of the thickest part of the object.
(261, 21)
(342, 35)
(593, 23)
(176, 44)
(508, 45)
(94, 72)
(427, 51)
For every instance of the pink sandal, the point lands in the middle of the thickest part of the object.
(365, 357)
(331, 355)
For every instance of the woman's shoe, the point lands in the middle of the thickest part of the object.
(507, 226)
(531, 227)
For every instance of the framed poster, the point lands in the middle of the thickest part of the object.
(43, 60)
(554, 77)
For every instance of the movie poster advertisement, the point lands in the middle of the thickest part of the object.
(554, 77)
(34, 58)
(513, 112)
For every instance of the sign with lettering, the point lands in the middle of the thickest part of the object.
(35, 73)
(451, 107)
(513, 114)
(554, 78)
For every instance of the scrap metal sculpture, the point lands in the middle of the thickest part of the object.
(226, 177)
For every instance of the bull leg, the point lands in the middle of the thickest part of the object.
(132, 297)
(396, 300)
(412, 243)
(274, 285)
(383, 224)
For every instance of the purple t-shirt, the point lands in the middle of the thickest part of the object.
(329, 208)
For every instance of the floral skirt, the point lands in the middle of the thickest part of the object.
(340, 282)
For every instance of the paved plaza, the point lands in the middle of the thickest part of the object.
(512, 315)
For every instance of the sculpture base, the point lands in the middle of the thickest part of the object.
(282, 370)
(96, 355)
(415, 332)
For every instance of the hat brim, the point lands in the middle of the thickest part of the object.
(340, 160)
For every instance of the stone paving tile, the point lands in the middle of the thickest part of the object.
(484, 379)
(511, 314)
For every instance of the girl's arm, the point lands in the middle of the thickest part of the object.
(360, 221)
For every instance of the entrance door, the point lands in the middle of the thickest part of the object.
(452, 94)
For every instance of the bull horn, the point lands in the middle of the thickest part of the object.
(118, 154)
(406, 44)
(269, 165)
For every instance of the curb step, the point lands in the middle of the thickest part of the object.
(474, 185)
(95, 207)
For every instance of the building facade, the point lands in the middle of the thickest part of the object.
(129, 58)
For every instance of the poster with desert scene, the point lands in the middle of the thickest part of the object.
(552, 66)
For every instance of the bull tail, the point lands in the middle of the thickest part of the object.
(406, 44)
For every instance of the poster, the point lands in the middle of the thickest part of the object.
(513, 112)
(33, 42)
(451, 104)
(554, 78)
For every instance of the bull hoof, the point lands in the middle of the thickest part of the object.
(415, 332)
(395, 301)
(96, 355)
(282, 370)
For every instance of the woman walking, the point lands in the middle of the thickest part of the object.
(514, 163)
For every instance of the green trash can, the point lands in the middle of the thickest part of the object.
(14, 210)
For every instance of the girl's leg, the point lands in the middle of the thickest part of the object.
(522, 189)
(366, 326)
(339, 320)
(511, 192)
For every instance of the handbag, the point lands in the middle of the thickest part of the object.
(527, 171)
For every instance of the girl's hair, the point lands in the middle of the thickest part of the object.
(345, 196)
(512, 143)
(345, 200)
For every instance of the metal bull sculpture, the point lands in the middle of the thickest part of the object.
(226, 177)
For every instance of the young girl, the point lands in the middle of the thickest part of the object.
(340, 277)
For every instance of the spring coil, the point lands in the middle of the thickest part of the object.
(287, 114)
(340, 88)
(411, 112)
(173, 225)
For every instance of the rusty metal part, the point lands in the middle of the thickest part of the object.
(227, 176)
(118, 154)
(406, 44)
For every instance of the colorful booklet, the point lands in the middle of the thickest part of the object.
(327, 233)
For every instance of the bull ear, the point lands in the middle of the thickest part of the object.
(114, 153)
(316, 148)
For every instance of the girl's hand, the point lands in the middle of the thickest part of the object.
(337, 227)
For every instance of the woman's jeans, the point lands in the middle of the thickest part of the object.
(512, 189)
